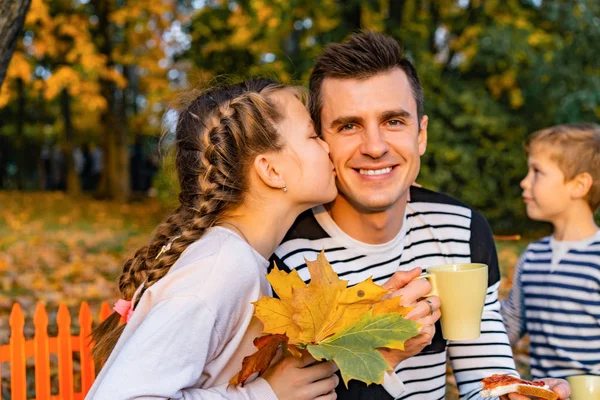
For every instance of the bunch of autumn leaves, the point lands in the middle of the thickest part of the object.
(329, 320)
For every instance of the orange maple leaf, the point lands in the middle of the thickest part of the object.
(259, 361)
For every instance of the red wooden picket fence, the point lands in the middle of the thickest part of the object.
(41, 346)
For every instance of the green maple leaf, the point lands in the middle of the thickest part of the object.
(354, 348)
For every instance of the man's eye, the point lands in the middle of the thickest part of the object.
(395, 122)
(347, 127)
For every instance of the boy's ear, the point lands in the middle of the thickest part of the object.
(581, 185)
(268, 172)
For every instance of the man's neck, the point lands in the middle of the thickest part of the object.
(370, 228)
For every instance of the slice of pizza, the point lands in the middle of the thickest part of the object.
(499, 385)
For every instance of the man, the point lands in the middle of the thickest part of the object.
(367, 103)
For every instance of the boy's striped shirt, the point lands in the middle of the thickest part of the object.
(559, 307)
(436, 230)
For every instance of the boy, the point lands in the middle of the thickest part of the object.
(555, 295)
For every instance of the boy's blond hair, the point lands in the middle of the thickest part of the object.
(576, 149)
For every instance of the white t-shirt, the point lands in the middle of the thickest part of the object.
(191, 330)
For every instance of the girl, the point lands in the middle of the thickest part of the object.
(249, 162)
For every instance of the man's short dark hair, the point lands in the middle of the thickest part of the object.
(362, 56)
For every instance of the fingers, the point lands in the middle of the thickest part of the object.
(424, 308)
(401, 279)
(428, 330)
(328, 396)
(320, 371)
(325, 388)
(559, 386)
(413, 291)
(306, 359)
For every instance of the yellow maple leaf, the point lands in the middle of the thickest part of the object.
(352, 304)
(391, 305)
(313, 312)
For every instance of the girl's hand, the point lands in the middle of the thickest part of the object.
(296, 379)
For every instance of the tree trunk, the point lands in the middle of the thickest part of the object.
(351, 15)
(435, 23)
(73, 186)
(12, 18)
(393, 23)
(115, 176)
(20, 139)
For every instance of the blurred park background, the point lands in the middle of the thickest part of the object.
(86, 98)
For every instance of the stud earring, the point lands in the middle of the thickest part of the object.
(284, 188)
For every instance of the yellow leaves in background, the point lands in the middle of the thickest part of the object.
(63, 77)
(113, 75)
(38, 12)
(19, 68)
(68, 78)
(136, 10)
(243, 33)
(506, 83)
(539, 38)
(468, 37)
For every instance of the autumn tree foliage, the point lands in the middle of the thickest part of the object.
(492, 71)
(103, 66)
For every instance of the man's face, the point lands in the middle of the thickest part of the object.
(375, 142)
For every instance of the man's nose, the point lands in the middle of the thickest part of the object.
(374, 144)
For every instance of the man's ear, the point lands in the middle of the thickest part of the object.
(267, 170)
(581, 185)
(423, 134)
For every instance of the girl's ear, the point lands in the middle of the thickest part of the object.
(268, 171)
(581, 185)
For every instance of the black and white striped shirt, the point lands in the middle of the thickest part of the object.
(436, 230)
(555, 298)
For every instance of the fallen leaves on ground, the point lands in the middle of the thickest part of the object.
(54, 248)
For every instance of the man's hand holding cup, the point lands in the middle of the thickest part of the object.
(426, 311)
